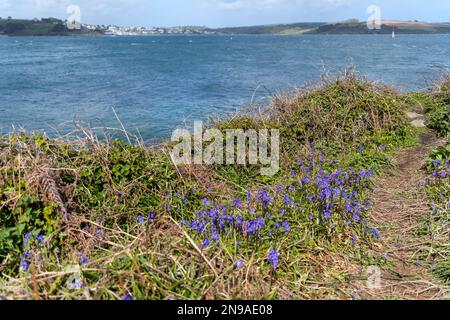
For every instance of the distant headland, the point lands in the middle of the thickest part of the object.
(57, 27)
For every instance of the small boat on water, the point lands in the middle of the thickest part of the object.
(393, 34)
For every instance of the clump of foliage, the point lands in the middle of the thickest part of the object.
(437, 108)
(347, 113)
(438, 165)
(112, 220)
(318, 199)
(344, 110)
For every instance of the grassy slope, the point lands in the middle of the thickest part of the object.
(337, 28)
(118, 219)
(435, 223)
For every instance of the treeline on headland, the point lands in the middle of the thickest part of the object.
(42, 27)
(90, 219)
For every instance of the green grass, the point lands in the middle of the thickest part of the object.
(435, 223)
(86, 196)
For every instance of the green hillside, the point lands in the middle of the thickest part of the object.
(43, 27)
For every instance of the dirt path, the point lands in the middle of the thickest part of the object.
(399, 203)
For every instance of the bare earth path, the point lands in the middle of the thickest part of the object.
(399, 203)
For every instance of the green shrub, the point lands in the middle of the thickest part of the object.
(438, 109)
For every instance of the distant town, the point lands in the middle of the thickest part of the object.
(142, 31)
(56, 27)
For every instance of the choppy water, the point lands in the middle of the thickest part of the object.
(156, 83)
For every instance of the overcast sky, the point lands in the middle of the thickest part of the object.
(217, 13)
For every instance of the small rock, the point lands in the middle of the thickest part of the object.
(413, 115)
(420, 123)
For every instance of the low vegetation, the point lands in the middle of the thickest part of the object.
(90, 219)
(436, 222)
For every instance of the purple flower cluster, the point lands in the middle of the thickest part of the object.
(333, 192)
(318, 191)
(441, 169)
(273, 258)
(26, 257)
(24, 260)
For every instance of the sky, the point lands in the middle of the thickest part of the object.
(221, 13)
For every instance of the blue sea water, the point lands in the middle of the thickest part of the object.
(157, 83)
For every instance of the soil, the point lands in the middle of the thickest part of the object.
(400, 203)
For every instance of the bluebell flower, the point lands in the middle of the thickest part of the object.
(327, 214)
(249, 196)
(273, 258)
(239, 264)
(437, 163)
(84, 260)
(140, 219)
(255, 226)
(151, 216)
(206, 243)
(287, 200)
(239, 221)
(40, 238)
(237, 203)
(24, 263)
(286, 226)
(376, 233)
(76, 284)
(321, 157)
(214, 234)
(205, 201)
(127, 297)
(27, 238)
(264, 198)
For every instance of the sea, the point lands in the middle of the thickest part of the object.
(152, 85)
